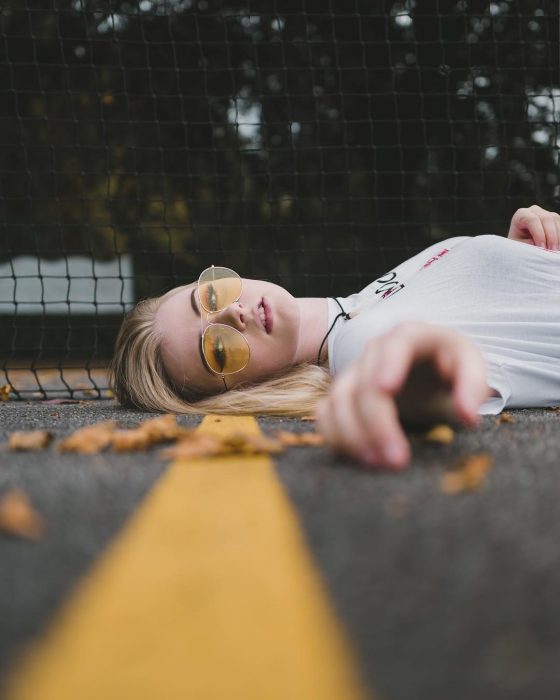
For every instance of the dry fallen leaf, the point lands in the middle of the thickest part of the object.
(504, 418)
(5, 391)
(89, 440)
(148, 433)
(469, 476)
(440, 433)
(243, 443)
(293, 439)
(129, 440)
(163, 428)
(193, 446)
(18, 517)
(198, 445)
(29, 440)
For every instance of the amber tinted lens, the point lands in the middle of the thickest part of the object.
(225, 349)
(218, 287)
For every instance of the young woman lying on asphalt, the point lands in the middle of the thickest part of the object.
(467, 327)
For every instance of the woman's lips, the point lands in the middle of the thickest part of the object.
(268, 315)
(263, 313)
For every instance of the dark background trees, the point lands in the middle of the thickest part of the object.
(312, 143)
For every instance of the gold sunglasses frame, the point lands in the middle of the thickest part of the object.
(210, 323)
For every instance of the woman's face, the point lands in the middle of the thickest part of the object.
(267, 315)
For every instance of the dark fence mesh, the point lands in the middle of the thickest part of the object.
(312, 143)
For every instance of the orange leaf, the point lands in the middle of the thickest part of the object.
(469, 476)
(243, 443)
(18, 517)
(163, 428)
(504, 418)
(29, 440)
(148, 433)
(293, 439)
(194, 446)
(129, 440)
(89, 440)
(5, 391)
(441, 433)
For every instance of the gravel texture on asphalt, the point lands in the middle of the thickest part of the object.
(444, 596)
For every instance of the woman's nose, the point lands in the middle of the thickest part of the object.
(233, 315)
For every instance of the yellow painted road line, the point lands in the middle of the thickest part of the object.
(208, 593)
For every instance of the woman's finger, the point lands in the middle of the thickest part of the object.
(548, 222)
(338, 422)
(463, 366)
(359, 421)
(549, 227)
(525, 220)
(457, 360)
(378, 414)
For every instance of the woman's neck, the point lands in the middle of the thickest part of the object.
(312, 329)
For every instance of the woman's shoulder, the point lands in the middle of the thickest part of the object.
(492, 241)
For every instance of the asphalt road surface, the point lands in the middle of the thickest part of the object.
(444, 596)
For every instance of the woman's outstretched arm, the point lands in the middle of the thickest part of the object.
(416, 371)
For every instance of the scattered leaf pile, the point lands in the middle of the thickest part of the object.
(18, 517)
(189, 443)
(197, 445)
(469, 476)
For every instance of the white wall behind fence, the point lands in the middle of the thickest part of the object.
(74, 284)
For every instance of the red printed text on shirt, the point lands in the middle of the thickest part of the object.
(436, 257)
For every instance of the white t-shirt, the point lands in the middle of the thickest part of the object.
(504, 294)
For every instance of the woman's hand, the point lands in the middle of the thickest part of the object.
(536, 226)
(416, 371)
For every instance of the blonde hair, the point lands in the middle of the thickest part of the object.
(138, 377)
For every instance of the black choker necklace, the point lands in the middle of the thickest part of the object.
(342, 313)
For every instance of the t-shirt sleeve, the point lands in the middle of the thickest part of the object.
(533, 383)
(497, 379)
(521, 384)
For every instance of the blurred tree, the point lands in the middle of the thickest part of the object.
(316, 144)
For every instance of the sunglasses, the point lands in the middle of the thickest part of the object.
(225, 349)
